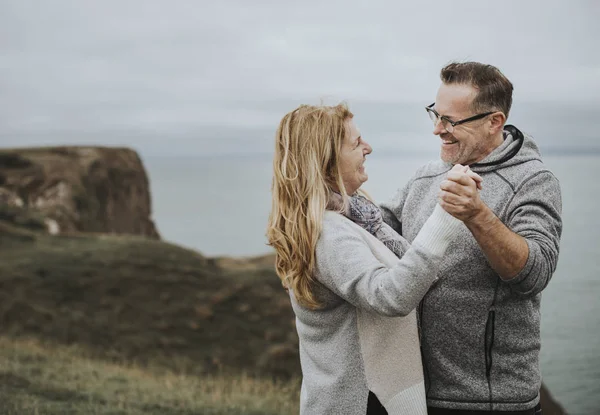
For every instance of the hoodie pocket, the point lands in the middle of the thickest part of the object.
(489, 342)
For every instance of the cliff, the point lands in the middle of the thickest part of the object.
(78, 189)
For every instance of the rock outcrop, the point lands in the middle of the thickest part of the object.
(78, 189)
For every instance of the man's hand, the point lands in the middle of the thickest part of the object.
(506, 251)
(459, 193)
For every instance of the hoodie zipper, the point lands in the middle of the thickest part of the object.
(420, 329)
(489, 342)
(490, 328)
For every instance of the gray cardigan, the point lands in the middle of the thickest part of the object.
(481, 335)
(364, 337)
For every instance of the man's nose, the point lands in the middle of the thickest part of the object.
(438, 127)
(368, 149)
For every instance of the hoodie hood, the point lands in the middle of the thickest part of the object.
(516, 149)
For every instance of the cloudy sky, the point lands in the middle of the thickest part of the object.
(205, 78)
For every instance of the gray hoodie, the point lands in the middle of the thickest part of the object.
(480, 335)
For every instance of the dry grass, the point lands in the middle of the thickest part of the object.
(40, 378)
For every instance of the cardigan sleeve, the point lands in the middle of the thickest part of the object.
(346, 265)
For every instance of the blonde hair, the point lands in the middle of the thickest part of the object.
(306, 169)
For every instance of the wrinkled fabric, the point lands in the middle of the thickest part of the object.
(368, 216)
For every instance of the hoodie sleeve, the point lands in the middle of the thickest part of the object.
(535, 213)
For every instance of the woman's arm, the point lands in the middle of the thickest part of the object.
(347, 266)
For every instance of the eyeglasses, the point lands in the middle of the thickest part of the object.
(447, 123)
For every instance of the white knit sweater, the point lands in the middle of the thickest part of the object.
(365, 335)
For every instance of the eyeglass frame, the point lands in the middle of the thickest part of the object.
(429, 108)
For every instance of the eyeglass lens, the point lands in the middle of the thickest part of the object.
(434, 118)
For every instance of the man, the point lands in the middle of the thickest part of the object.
(480, 324)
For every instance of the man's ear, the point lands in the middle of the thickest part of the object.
(497, 120)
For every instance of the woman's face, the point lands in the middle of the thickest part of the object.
(354, 152)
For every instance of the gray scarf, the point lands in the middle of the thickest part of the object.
(367, 215)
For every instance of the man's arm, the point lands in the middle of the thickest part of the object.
(506, 251)
(525, 252)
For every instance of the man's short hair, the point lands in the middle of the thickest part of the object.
(494, 90)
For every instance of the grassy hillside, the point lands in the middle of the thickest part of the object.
(137, 299)
(42, 378)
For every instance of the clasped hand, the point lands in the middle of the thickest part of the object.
(459, 193)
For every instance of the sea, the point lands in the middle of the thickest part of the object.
(219, 206)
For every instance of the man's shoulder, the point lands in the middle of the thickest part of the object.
(525, 165)
(519, 174)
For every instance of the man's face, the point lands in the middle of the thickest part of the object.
(469, 142)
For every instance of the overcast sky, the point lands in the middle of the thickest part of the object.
(212, 77)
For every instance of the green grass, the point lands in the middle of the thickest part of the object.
(134, 298)
(43, 378)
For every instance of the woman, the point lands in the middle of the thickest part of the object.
(354, 299)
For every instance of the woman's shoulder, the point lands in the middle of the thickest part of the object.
(340, 234)
(339, 230)
(334, 222)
